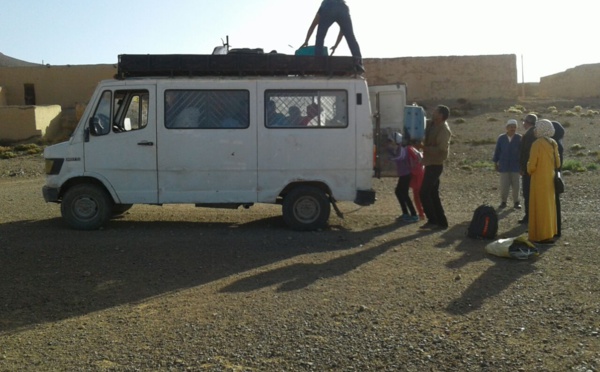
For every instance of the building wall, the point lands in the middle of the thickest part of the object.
(54, 85)
(2, 97)
(22, 122)
(578, 82)
(449, 78)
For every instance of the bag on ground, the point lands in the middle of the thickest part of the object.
(484, 224)
(520, 248)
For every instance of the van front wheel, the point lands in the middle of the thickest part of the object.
(86, 207)
(306, 208)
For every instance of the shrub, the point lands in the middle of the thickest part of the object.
(483, 164)
(573, 165)
(514, 110)
(492, 119)
(7, 155)
(4, 149)
(460, 121)
(587, 115)
(592, 167)
(482, 142)
(27, 147)
(577, 108)
(569, 113)
(576, 147)
(34, 151)
(551, 108)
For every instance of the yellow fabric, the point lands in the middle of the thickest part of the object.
(542, 205)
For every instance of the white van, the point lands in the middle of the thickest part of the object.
(216, 141)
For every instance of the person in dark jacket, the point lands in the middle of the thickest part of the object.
(506, 161)
(436, 148)
(526, 142)
(559, 134)
(329, 12)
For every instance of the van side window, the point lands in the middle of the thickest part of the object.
(207, 109)
(100, 122)
(131, 110)
(306, 109)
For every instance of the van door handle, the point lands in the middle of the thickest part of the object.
(146, 143)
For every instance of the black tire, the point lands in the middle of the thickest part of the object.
(86, 207)
(306, 208)
(119, 209)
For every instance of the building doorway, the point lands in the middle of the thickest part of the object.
(29, 95)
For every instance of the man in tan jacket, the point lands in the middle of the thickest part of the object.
(435, 151)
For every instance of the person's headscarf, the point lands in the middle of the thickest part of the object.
(544, 128)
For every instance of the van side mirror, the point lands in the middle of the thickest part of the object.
(94, 124)
(98, 126)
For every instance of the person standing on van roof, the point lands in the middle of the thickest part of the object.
(435, 151)
(329, 12)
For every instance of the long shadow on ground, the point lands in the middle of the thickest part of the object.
(54, 273)
(491, 282)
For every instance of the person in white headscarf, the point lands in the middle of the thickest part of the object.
(543, 161)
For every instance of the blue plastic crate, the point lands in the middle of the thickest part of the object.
(310, 51)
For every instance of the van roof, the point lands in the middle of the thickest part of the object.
(272, 64)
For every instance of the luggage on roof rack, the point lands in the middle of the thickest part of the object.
(271, 64)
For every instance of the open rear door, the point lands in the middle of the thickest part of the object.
(389, 102)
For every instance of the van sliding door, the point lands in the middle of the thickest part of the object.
(207, 133)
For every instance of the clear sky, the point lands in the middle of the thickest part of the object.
(548, 37)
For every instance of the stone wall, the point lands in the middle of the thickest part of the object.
(2, 97)
(578, 82)
(23, 122)
(54, 85)
(447, 79)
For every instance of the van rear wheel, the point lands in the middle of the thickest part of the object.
(86, 207)
(306, 208)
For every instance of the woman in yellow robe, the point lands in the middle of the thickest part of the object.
(543, 160)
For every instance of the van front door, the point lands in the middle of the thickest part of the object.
(121, 149)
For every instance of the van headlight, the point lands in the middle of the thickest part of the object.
(53, 166)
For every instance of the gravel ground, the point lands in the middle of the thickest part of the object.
(178, 288)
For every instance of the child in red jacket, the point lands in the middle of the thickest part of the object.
(406, 160)
(416, 178)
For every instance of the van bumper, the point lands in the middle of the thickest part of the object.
(50, 194)
(365, 197)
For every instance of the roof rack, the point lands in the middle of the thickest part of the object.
(242, 64)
